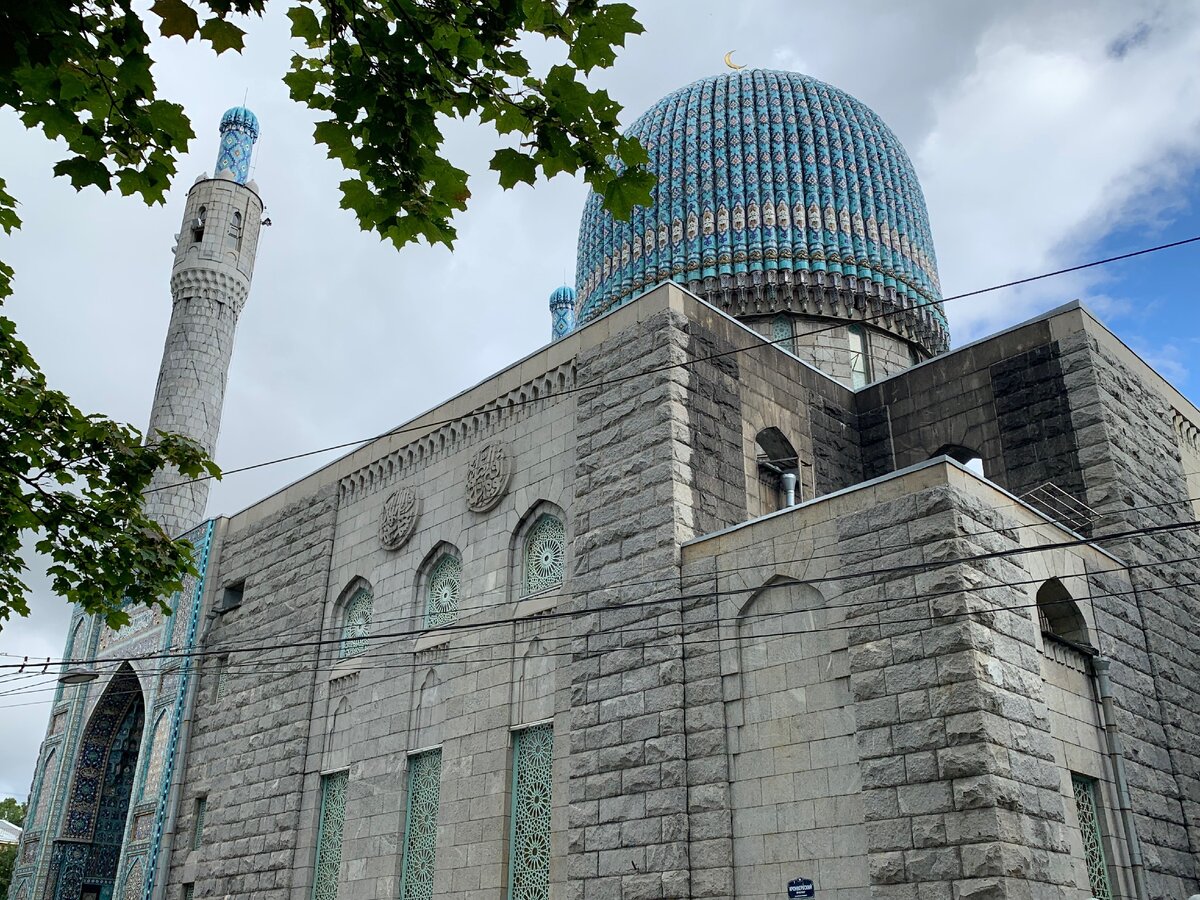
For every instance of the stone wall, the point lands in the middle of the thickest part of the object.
(1135, 477)
(961, 734)
(1061, 400)
(627, 792)
(975, 399)
(248, 746)
(463, 689)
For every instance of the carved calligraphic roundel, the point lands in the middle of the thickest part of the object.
(488, 475)
(398, 520)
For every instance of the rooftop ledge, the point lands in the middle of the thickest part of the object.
(974, 482)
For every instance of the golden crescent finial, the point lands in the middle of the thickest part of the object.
(729, 61)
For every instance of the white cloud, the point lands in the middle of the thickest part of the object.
(1049, 143)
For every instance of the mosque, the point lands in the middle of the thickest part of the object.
(746, 585)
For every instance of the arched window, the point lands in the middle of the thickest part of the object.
(1059, 615)
(545, 554)
(775, 457)
(860, 361)
(235, 230)
(198, 225)
(965, 455)
(356, 623)
(441, 593)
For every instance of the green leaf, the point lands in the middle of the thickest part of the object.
(223, 35)
(177, 18)
(514, 167)
(83, 172)
(596, 39)
(625, 191)
(305, 25)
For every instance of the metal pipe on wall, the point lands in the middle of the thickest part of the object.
(1116, 755)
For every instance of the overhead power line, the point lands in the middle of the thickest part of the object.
(908, 568)
(599, 385)
(666, 632)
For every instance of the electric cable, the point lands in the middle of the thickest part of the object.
(672, 633)
(318, 628)
(908, 568)
(405, 428)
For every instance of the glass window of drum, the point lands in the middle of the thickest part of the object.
(783, 333)
(1089, 828)
(441, 601)
(356, 625)
(529, 838)
(860, 364)
(545, 554)
(420, 826)
(329, 835)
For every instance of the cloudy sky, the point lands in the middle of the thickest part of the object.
(1044, 135)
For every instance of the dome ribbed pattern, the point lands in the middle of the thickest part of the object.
(562, 296)
(769, 180)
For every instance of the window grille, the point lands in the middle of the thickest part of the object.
(198, 826)
(420, 826)
(545, 554)
(189, 891)
(783, 334)
(222, 676)
(441, 601)
(529, 839)
(356, 627)
(1089, 827)
(329, 835)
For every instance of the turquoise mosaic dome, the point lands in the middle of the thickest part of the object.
(775, 192)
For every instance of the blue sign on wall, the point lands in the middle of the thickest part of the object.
(801, 887)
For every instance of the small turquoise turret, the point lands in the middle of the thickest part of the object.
(239, 131)
(562, 312)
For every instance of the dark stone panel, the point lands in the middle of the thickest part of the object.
(1033, 412)
(714, 417)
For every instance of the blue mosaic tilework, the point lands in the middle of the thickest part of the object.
(201, 539)
(239, 131)
(98, 803)
(562, 312)
(763, 175)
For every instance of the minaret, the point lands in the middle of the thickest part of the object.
(562, 312)
(214, 262)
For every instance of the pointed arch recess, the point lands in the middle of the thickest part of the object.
(94, 823)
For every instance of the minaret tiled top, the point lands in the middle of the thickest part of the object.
(562, 312)
(239, 131)
(775, 192)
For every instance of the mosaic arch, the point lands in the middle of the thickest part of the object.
(86, 856)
